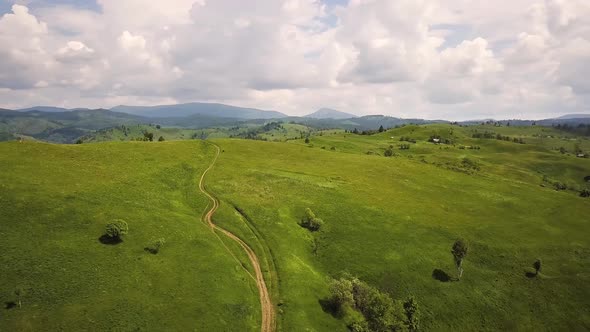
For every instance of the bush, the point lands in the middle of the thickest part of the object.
(585, 193)
(310, 221)
(161, 139)
(388, 152)
(307, 140)
(154, 248)
(116, 229)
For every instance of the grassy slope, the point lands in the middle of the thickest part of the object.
(54, 203)
(392, 221)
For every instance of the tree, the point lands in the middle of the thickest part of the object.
(459, 251)
(148, 136)
(158, 127)
(116, 229)
(161, 139)
(79, 141)
(412, 313)
(585, 193)
(381, 129)
(307, 140)
(537, 266)
(19, 292)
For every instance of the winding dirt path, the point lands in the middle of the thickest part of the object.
(268, 319)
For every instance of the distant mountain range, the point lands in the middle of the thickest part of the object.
(62, 125)
(574, 116)
(328, 113)
(204, 109)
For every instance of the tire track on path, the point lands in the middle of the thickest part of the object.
(267, 309)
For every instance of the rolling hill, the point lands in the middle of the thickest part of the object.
(512, 192)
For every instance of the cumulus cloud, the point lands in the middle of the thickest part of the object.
(440, 59)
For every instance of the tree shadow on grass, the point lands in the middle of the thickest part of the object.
(105, 239)
(529, 274)
(441, 275)
(329, 307)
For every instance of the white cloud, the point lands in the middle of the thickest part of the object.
(432, 58)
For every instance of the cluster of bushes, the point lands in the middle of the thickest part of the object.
(365, 132)
(555, 184)
(585, 193)
(369, 309)
(470, 164)
(492, 135)
(439, 140)
(404, 146)
(470, 147)
(310, 221)
(407, 139)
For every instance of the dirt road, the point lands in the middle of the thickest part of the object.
(268, 319)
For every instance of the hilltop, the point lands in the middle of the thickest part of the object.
(328, 113)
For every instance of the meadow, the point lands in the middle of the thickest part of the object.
(391, 221)
(55, 201)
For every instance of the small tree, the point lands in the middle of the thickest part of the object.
(381, 129)
(537, 266)
(19, 292)
(459, 251)
(585, 193)
(161, 139)
(307, 140)
(116, 229)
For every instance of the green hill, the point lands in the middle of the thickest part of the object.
(511, 192)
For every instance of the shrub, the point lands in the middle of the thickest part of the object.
(116, 229)
(388, 152)
(154, 248)
(310, 221)
(307, 140)
(161, 139)
(585, 193)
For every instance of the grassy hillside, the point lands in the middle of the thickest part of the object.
(55, 201)
(392, 221)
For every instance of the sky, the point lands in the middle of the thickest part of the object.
(434, 59)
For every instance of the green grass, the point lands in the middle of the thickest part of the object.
(54, 204)
(389, 221)
(392, 222)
